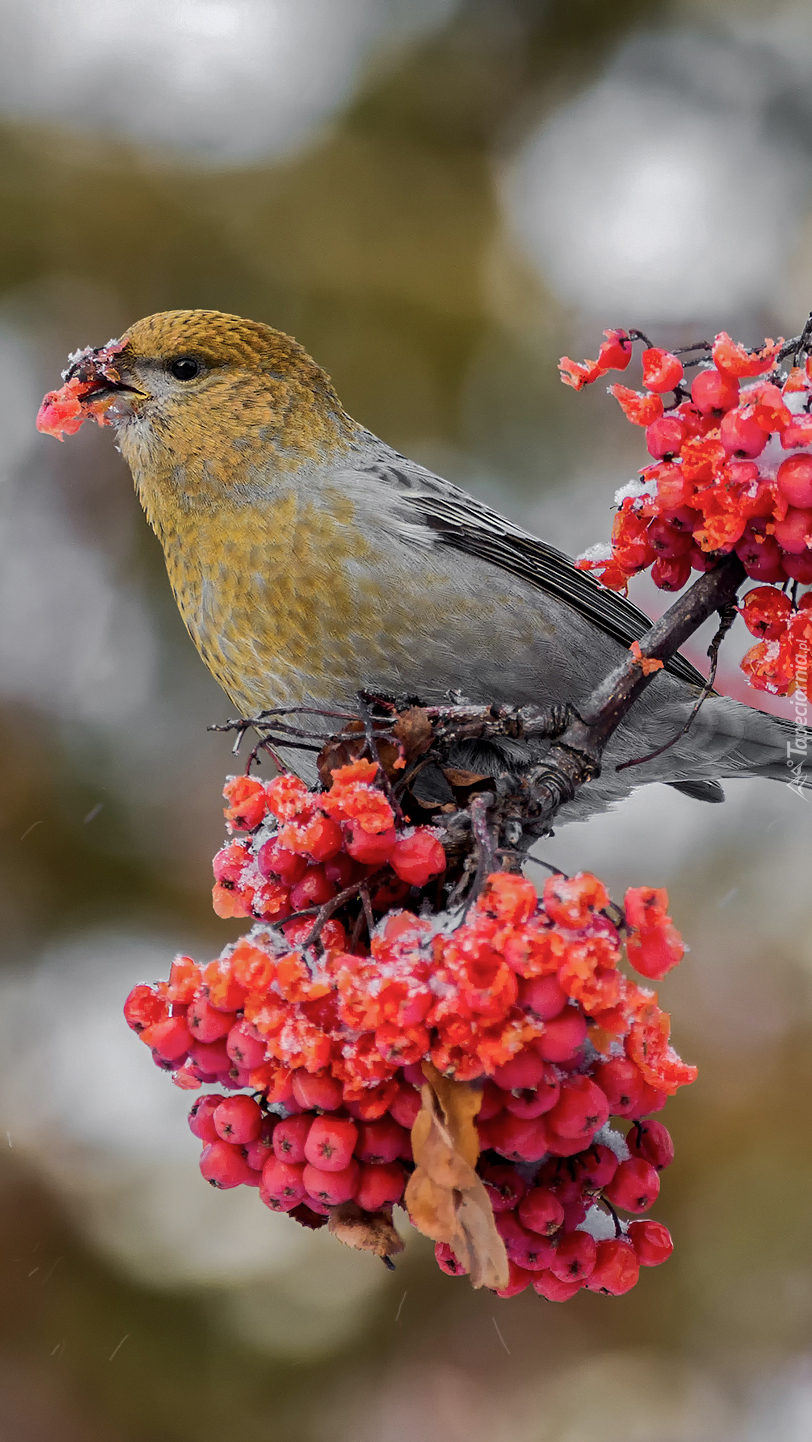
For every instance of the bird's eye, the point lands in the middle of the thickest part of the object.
(185, 368)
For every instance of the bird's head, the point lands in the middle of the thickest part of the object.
(193, 390)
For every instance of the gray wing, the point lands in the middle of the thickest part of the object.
(458, 520)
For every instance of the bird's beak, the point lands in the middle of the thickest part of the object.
(106, 390)
(97, 385)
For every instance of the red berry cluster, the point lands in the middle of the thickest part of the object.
(318, 1041)
(732, 471)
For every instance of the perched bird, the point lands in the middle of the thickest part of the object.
(309, 559)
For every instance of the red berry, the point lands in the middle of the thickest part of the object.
(316, 1091)
(380, 1186)
(313, 889)
(319, 838)
(662, 370)
(535, 1101)
(761, 556)
(518, 1139)
(575, 1257)
(258, 1152)
(571, 900)
(519, 1280)
(277, 1204)
(766, 611)
(798, 568)
(548, 1285)
(651, 1141)
(211, 1057)
(245, 1046)
(794, 480)
(668, 540)
(405, 1107)
(656, 950)
(671, 574)
(290, 1136)
(206, 1022)
(505, 1187)
(373, 848)
(794, 531)
(634, 1187)
(144, 1006)
(418, 857)
(616, 1268)
(597, 1167)
(711, 391)
(620, 1081)
(527, 1249)
(372, 1102)
(381, 1141)
(446, 1260)
(542, 997)
(651, 1241)
(284, 1180)
(201, 1117)
(523, 1070)
(275, 861)
(238, 1119)
(541, 1211)
(169, 1039)
(342, 870)
(664, 437)
(563, 1036)
(331, 1142)
(582, 1109)
(741, 435)
(332, 1187)
(247, 802)
(225, 1166)
(649, 1100)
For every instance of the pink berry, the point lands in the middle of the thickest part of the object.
(542, 997)
(671, 573)
(598, 1166)
(651, 1141)
(275, 862)
(575, 1257)
(225, 1166)
(332, 1187)
(417, 858)
(405, 1107)
(548, 1285)
(238, 1119)
(563, 1036)
(201, 1117)
(741, 435)
(212, 1058)
(794, 531)
(284, 1180)
(519, 1280)
(372, 848)
(380, 1141)
(330, 1143)
(169, 1040)
(713, 392)
(505, 1187)
(535, 1101)
(245, 1046)
(652, 1243)
(277, 1204)
(206, 1023)
(527, 1249)
(664, 437)
(648, 1100)
(518, 1139)
(524, 1070)
(616, 1268)
(316, 1091)
(668, 540)
(541, 1211)
(446, 1260)
(380, 1186)
(581, 1110)
(290, 1136)
(619, 1079)
(313, 889)
(634, 1187)
(794, 480)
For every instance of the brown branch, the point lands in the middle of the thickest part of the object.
(575, 757)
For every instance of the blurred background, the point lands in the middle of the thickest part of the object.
(438, 198)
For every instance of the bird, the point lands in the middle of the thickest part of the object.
(310, 561)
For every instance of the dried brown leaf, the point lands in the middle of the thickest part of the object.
(414, 732)
(445, 1198)
(460, 779)
(366, 1231)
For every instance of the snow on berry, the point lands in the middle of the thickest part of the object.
(491, 1046)
(720, 481)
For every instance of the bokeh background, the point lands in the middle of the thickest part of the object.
(438, 197)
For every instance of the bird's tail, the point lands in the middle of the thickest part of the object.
(727, 739)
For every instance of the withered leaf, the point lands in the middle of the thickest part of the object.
(366, 1231)
(414, 732)
(460, 779)
(340, 753)
(446, 1200)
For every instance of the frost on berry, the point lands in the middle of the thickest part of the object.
(466, 1066)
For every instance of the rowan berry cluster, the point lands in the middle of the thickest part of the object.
(731, 471)
(316, 1032)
